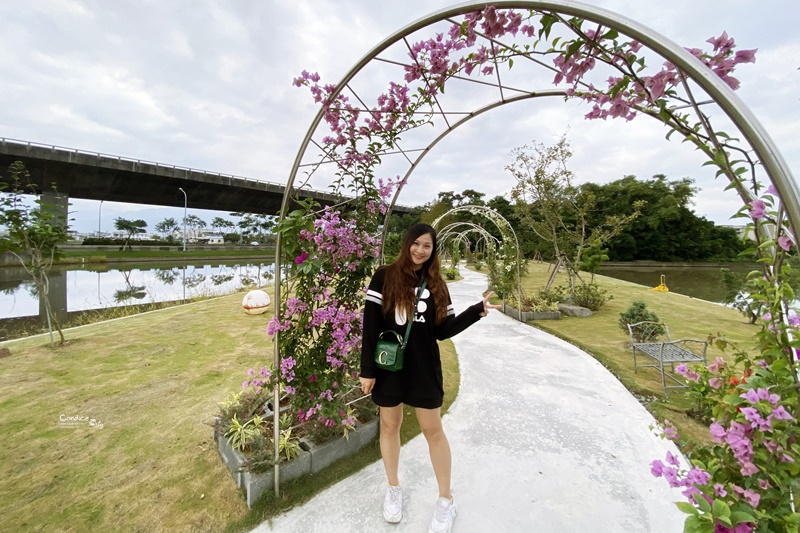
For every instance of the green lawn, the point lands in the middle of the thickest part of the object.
(153, 381)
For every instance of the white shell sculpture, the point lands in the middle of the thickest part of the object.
(255, 302)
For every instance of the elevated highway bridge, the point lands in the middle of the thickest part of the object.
(97, 176)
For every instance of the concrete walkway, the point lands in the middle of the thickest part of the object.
(543, 437)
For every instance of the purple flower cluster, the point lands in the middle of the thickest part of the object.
(337, 238)
(687, 372)
(258, 382)
(721, 63)
(676, 477)
(287, 364)
(622, 95)
(758, 211)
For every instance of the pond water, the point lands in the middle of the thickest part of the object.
(81, 289)
(696, 280)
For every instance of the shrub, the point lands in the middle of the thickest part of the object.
(478, 265)
(479, 256)
(541, 302)
(591, 296)
(451, 273)
(554, 294)
(638, 312)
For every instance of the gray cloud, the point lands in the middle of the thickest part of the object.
(208, 85)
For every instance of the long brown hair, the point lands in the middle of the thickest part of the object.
(401, 277)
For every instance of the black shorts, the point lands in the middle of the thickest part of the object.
(415, 385)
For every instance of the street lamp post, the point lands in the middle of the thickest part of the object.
(99, 218)
(185, 203)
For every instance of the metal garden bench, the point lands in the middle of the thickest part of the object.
(646, 338)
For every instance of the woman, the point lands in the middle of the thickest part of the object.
(390, 298)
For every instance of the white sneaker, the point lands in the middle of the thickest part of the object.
(444, 514)
(393, 504)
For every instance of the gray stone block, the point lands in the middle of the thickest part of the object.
(574, 310)
(327, 453)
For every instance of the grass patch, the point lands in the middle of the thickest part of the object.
(102, 256)
(153, 381)
(601, 336)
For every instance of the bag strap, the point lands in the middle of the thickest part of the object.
(413, 313)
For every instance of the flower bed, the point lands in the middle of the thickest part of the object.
(312, 458)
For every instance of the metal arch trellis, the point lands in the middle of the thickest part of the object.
(453, 227)
(454, 230)
(752, 131)
(503, 226)
(457, 238)
(450, 232)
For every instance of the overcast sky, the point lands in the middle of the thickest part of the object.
(208, 85)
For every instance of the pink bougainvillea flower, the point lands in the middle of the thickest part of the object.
(673, 459)
(758, 209)
(772, 190)
(745, 56)
(781, 414)
(301, 258)
(785, 242)
(657, 468)
(748, 469)
(715, 383)
(717, 432)
(721, 42)
(670, 431)
(718, 363)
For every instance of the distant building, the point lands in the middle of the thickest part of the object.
(199, 236)
(211, 239)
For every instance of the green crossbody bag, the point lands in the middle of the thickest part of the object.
(390, 347)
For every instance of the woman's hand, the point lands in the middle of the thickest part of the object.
(486, 305)
(366, 384)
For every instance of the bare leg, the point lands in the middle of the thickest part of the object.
(391, 420)
(430, 421)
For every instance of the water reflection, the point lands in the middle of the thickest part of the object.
(130, 292)
(104, 287)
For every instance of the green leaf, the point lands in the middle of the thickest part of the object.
(702, 503)
(691, 524)
(720, 508)
(611, 34)
(573, 47)
(725, 521)
(687, 508)
(739, 517)
(547, 22)
(707, 527)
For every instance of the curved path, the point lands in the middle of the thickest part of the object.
(544, 439)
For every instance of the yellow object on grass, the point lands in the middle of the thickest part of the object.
(662, 287)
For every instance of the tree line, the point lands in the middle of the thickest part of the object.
(251, 227)
(629, 219)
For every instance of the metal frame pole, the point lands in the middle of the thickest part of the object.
(185, 204)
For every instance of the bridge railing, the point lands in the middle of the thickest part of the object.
(5, 140)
